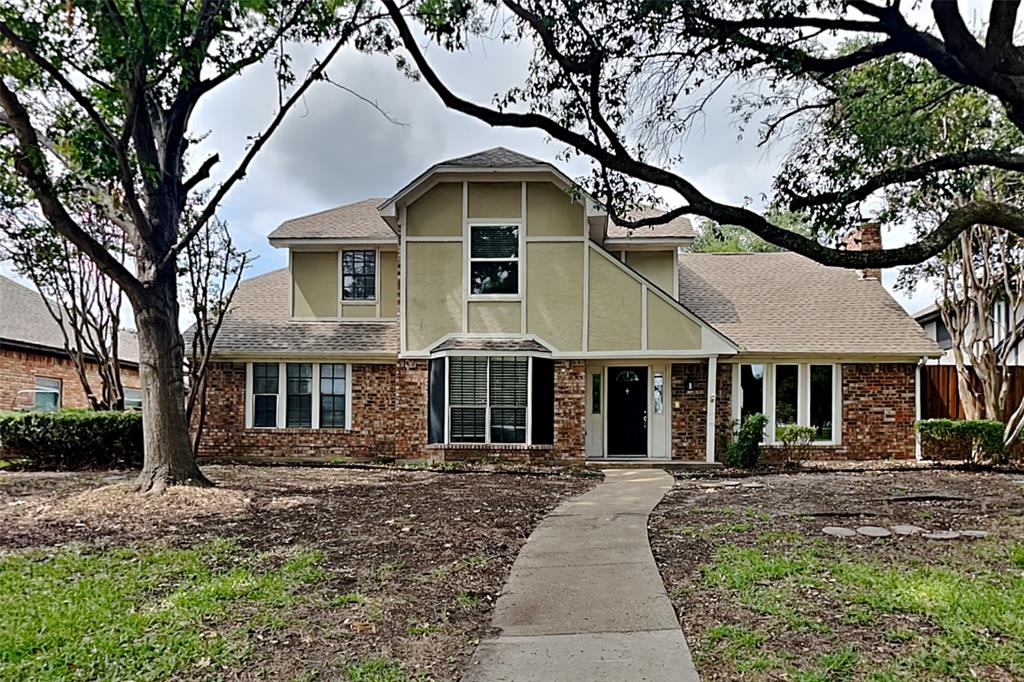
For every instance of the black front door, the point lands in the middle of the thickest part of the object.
(627, 411)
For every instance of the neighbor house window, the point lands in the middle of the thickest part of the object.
(467, 396)
(508, 396)
(47, 394)
(333, 391)
(133, 399)
(787, 392)
(494, 259)
(358, 275)
(822, 396)
(299, 405)
(265, 386)
(751, 390)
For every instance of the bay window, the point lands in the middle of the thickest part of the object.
(491, 399)
(790, 393)
(333, 394)
(265, 387)
(299, 405)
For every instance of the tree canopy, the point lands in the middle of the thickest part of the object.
(623, 82)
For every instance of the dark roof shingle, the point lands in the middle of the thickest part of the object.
(351, 221)
(24, 319)
(786, 303)
(496, 157)
(680, 227)
(259, 322)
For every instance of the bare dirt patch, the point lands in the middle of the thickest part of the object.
(763, 593)
(413, 561)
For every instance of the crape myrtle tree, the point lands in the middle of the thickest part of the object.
(84, 302)
(96, 104)
(623, 82)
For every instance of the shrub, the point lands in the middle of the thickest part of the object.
(796, 441)
(970, 439)
(745, 447)
(72, 439)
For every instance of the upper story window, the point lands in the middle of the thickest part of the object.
(359, 275)
(494, 259)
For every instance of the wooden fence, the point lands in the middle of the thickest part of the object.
(940, 397)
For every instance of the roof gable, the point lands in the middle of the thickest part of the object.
(351, 222)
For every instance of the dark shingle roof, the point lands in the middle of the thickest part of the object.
(786, 303)
(259, 322)
(351, 221)
(497, 157)
(24, 319)
(676, 228)
(491, 345)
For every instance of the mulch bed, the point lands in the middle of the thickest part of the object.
(428, 551)
(695, 519)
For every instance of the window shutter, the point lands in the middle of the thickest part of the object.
(543, 409)
(435, 401)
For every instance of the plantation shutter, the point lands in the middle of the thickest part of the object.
(467, 396)
(542, 412)
(494, 241)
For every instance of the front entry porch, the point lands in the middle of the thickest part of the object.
(635, 405)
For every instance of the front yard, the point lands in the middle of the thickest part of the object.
(279, 573)
(763, 593)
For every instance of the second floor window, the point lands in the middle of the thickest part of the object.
(359, 275)
(494, 259)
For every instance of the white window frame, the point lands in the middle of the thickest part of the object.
(312, 406)
(282, 396)
(139, 401)
(41, 389)
(803, 397)
(487, 403)
(495, 222)
(376, 277)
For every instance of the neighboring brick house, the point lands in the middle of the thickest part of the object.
(484, 310)
(35, 369)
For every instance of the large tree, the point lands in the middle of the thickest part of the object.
(622, 82)
(96, 103)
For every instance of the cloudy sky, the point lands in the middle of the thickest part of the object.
(336, 149)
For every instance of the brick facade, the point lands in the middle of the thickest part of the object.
(389, 417)
(878, 412)
(19, 369)
(373, 425)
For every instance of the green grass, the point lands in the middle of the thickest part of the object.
(974, 603)
(141, 613)
(375, 670)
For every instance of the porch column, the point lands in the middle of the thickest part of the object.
(709, 442)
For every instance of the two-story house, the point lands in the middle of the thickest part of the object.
(489, 309)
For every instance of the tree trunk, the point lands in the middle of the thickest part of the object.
(169, 459)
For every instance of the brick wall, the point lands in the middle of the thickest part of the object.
(570, 409)
(18, 372)
(689, 420)
(409, 423)
(373, 425)
(877, 413)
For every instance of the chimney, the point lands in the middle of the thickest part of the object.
(867, 238)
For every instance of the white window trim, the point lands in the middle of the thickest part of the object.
(59, 390)
(375, 301)
(803, 398)
(282, 396)
(518, 223)
(487, 406)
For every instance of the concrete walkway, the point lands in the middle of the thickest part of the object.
(585, 600)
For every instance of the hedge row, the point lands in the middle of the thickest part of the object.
(70, 439)
(968, 439)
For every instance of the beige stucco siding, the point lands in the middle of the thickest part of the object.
(495, 200)
(614, 314)
(438, 213)
(669, 329)
(554, 290)
(495, 317)
(314, 284)
(388, 284)
(433, 305)
(551, 213)
(359, 310)
(657, 266)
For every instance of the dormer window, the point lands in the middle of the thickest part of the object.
(494, 260)
(359, 275)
